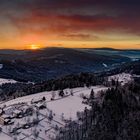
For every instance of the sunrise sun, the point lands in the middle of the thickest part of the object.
(34, 46)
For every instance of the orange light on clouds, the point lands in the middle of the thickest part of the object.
(34, 46)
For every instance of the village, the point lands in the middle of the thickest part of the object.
(32, 118)
(19, 120)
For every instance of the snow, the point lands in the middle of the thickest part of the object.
(5, 137)
(135, 59)
(105, 65)
(60, 108)
(1, 66)
(3, 81)
(68, 106)
(123, 78)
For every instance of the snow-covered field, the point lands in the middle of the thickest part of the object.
(3, 81)
(61, 108)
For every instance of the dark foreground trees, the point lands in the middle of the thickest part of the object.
(117, 117)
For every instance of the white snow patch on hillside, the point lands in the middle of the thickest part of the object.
(3, 81)
(1, 66)
(105, 65)
(123, 78)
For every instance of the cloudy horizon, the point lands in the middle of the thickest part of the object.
(70, 23)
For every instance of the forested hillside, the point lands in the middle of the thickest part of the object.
(116, 117)
(14, 90)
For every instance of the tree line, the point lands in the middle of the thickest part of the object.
(11, 91)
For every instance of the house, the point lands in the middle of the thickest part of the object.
(1, 111)
(25, 111)
(35, 101)
(18, 113)
(29, 111)
(6, 120)
(40, 106)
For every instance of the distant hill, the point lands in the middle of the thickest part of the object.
(54, 62)
(133, 54)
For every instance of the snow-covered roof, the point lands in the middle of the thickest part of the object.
(39, 104)
(16, 111)
(4, 116)
(36, 100)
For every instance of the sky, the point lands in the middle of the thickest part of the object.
(70, 23)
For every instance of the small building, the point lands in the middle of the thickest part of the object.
(40, 106)
(1, 111)
(16, 112)
(36, 101)
(28, 111)
(6, 120)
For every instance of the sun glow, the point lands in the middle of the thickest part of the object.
(34, 47)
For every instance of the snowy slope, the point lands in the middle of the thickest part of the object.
(68, 106)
